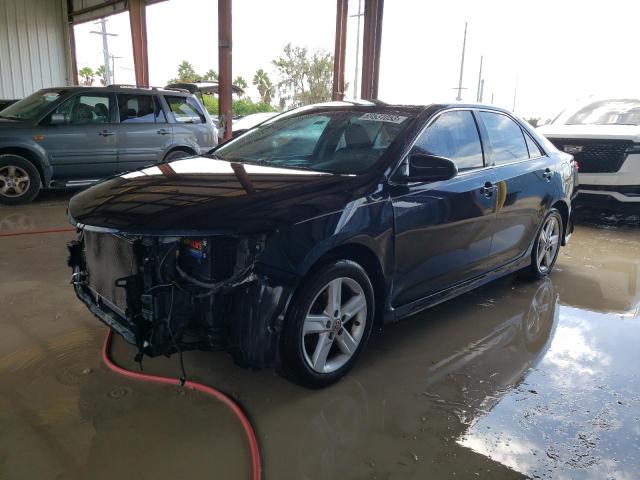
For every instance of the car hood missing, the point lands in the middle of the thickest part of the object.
(199, 195)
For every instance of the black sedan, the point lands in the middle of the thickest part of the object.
(286, 245)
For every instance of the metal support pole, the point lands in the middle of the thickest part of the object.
(224, 67)
(342, 10)
(357, 71)
(138, 21)
(72, 44)
(478, 95)
(464, 45)
(371, 43)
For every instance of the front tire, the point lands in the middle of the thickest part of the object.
(328, 324)
(547, 245)
(19, 180)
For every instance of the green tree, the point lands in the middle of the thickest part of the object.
(240, 82)
(265, 88)
(186, 73)
(101, 72)
(304, 78)
(210, 76)
(86, 74)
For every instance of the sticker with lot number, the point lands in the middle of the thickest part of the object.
(383, 117)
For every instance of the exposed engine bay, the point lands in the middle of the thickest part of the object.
(170, 294)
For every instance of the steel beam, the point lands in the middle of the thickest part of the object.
(224, 67)
(342, 12)
(138, 21)
(371, 43)
(72, 43)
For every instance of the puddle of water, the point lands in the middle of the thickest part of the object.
(519, 378)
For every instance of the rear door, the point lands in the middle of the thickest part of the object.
(192, 128)
(83, 146)
(143, 133)
(523, 178)
(444, 229)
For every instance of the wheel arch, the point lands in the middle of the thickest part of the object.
(368, 260)
(31, 156)
(179, 148)
(563, 208)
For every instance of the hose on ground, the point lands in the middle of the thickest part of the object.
(234, 407)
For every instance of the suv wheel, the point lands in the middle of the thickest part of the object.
(328, 324)
(19, 180)
(547, 245)
(176, 154)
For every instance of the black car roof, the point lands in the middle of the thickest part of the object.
(121, 88)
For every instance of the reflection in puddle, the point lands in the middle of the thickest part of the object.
(577, 413)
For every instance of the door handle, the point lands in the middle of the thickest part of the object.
(548, 173)
(487, 189)
(106, 133)
(163, 131)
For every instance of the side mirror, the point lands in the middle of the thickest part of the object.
(429, 168)
(57, 119)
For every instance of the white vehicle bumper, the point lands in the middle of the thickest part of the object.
(622, 186)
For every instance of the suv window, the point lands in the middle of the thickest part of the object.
(140, 109)
(453, 135)
(185, 109)
(85, 110)
(505, 137)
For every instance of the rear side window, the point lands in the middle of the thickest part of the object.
(534, 151)
(185, 109)
(453, 135)
(139, 109)
(505, 137)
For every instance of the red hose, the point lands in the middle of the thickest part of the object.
(251, 436)
(38, 232)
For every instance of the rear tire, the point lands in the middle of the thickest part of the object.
(328, 324)
(547, 245)
(176, 154)
(19, 180)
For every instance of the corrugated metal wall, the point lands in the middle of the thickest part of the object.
(34, 50)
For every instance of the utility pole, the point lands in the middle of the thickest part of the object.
(481, 91)
(113, 67)
(515, 92)
(105, 47)
(464, 45)
(491, 98)
(478, 94)
(355, 82)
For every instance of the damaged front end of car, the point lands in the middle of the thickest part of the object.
(170, 294)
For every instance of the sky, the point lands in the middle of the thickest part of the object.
(548, 52)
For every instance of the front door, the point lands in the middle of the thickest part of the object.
(444, 229)
(143, 133)
(81, 139)
(522, 175)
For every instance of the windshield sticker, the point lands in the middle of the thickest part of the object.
(383, 117)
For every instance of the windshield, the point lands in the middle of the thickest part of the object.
(32, 106)
(607, 112)
(339, 141)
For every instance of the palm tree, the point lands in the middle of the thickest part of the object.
(240, 82)
(86, 73)
(265, 88)
(101, 72)
(211, 75)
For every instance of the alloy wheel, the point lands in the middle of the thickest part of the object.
(334, 325)
(14, 181)
(548, 244)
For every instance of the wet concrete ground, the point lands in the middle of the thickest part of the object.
(517, 379)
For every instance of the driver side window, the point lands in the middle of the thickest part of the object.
(85, 110)
(453, 135)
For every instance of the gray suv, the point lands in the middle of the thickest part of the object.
(74, 136)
